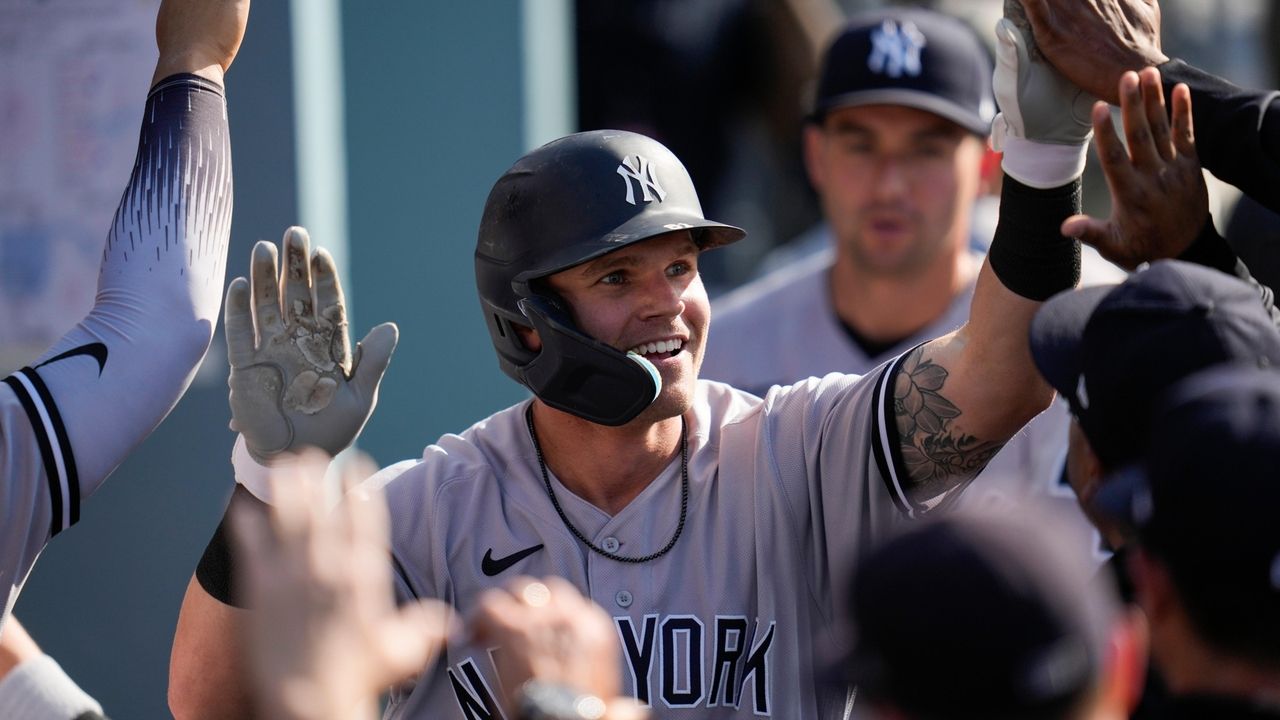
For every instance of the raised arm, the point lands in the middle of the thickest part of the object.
(71, 417)
(295, 383)
(959, 398)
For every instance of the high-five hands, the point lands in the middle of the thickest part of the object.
(294, 380)
(1159, 201)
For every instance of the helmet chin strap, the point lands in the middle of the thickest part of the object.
(581, 375)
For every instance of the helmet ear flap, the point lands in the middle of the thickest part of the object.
(581, 375)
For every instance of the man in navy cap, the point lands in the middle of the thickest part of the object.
(1207, 569)
(1111, 352)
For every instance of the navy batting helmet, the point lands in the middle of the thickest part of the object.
(567, 202)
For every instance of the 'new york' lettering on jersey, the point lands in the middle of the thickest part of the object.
(784, 492)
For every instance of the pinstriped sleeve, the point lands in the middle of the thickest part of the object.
(71, 417)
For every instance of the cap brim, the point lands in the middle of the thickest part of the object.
(641, 227)
(1057, 331)
(917, 99)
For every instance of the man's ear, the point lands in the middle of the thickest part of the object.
(991, 174)
(528, 337)
(814, 138)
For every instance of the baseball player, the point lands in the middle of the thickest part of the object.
(72, 416)
(715, 526)
(896, 150)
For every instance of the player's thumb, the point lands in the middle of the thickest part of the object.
(373, 354)
(1096, 234)
(238, 324)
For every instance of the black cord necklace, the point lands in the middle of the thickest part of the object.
(684, 496)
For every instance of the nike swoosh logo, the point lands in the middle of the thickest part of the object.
(97, 351)
(492, 566)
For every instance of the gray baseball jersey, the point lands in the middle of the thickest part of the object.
(782, 328)
(75, 414)
(785, 492)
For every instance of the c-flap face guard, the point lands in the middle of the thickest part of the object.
(581, 375)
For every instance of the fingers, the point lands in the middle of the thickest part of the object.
(372, 357)
(263, 275)
(362, 516)
(1111, 152)
(1157, 114)
(1133, 115)
(412, 637)
(331, 306)
(238, 324)
(1184, 137)
(296, 281)
(1039, 14)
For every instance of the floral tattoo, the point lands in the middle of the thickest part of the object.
(937, 457)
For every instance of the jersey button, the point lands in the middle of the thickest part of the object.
(611, 544)
(624, 598)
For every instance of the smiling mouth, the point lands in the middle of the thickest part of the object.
(660, 349)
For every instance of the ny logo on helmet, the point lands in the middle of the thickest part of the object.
(895, 49)
(644, 177)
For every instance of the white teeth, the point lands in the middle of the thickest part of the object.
(662, 346)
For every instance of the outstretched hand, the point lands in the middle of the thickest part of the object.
(1094, 42)
(199, 36)
(550, 633)
(294, 380)
(1159, 201)
(325, 636)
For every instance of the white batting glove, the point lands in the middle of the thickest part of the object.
(294, 381)
(1044, 125)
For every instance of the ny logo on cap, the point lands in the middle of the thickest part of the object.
(644, 177)
(895, 49)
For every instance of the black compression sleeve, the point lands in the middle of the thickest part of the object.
(1028, 253)
(1210, 250)
(217, 569)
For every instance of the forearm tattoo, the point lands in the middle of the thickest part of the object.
(937, 457)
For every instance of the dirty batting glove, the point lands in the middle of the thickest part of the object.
(1044, 125)
(294, 380)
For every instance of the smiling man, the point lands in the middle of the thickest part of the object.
(714, 526)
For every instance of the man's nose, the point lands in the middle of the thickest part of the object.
(663, 298)
(891, 176)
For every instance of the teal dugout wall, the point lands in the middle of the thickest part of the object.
(439, 100)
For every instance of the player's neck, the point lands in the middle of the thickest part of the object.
(606, 466)
(885, 308)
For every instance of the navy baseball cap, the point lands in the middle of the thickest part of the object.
(1112, 351)
(913, 57)
(1023, 635)
(1205, 496)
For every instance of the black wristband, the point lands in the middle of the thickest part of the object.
(216, 571)
(1029, 253)
(1210, 250)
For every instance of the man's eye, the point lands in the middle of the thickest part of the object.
(680, 268)
(930, 151)
(614, 278)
